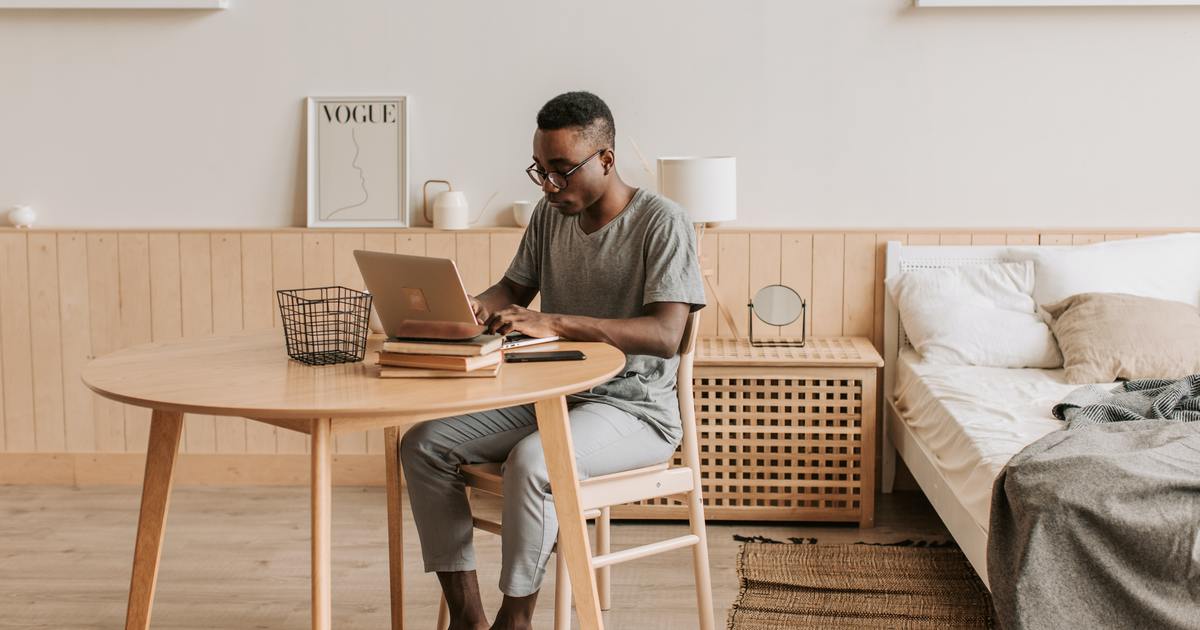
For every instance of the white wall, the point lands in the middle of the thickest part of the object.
(843, 113)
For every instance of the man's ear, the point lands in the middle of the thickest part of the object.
(608, 159)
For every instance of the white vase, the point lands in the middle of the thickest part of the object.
(22, 216)
(450, 211)
(522, 212)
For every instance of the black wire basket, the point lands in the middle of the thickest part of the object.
(325, 325)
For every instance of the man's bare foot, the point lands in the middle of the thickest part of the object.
(462, 598)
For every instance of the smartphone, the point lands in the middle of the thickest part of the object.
(529, 357)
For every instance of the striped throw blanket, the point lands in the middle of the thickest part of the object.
(1149, 399)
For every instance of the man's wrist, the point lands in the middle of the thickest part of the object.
(559, 325)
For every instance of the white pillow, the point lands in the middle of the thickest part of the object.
(1162, 267)
(975, 315)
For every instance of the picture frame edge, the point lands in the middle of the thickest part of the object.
(311, 218)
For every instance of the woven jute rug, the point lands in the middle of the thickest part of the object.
(793, 586)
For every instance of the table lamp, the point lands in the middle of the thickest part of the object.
(706, 187)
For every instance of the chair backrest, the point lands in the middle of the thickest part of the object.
(687, 401)
(688, 342)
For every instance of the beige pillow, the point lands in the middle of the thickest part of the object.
(1110, 336)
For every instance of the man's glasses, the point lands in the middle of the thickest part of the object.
(556, 179)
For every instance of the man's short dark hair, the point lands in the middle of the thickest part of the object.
(583, 110)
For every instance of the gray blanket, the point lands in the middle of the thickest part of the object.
(1099, 526)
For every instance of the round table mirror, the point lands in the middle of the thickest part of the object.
(777, 305)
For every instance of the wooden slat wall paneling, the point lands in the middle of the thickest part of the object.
(258, 313)
(104, 291)
(503, 248)
(46, 344)
(411, 244)
(318, 258)
(345, 269)
(829, 261)
(924, 238)
(733, 280)
(287, 271)
(441, 246)
(195, 290)
(75, 313)
(258, 294)
(796, 271)
(67, 296)
(474, 261)
(377, 242)
(858, 293)
(166, 299)
(955, 239)
(346, 274)
(227, 319)
(136, 325)
(17, 365)
(881, 241)
(1055, 239)
(989, 238)
(765, 266)
(1021, 239)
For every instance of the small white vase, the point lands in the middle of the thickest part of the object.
(450, 211)
(522, 212)
(22, 216)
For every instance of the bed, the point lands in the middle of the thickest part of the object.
(955, 427)
(1094, 526)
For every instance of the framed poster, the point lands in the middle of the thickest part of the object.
(358, 161)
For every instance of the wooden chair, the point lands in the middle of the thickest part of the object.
(599, 493)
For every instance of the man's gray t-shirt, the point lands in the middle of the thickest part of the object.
(646, 254)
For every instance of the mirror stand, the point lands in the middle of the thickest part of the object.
(780, 343)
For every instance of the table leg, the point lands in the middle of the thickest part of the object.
(322, 613)
(555, 431)
(165, 429)
(395, 523)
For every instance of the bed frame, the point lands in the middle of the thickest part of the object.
(897, 437)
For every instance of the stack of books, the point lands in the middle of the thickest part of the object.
(477, 357)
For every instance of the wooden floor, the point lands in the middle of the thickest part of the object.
(238, 558)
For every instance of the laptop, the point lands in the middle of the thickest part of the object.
(423, 298)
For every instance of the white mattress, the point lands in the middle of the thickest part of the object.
(973, 419)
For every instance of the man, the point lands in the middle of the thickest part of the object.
(614, 264)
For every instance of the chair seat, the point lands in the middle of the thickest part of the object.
(639, 484)
(486, 477)
(490, 479)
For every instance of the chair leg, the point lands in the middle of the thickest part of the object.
(562, 594)
(443, 621)
(395, 525)
(603, 546)
(704, 600)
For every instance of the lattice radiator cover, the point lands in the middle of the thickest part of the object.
(774, 447)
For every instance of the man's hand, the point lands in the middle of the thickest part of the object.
(523, 320)
(480, 310)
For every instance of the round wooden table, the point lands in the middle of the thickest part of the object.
(251, 376)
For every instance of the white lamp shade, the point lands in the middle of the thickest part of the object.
(705, 186)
